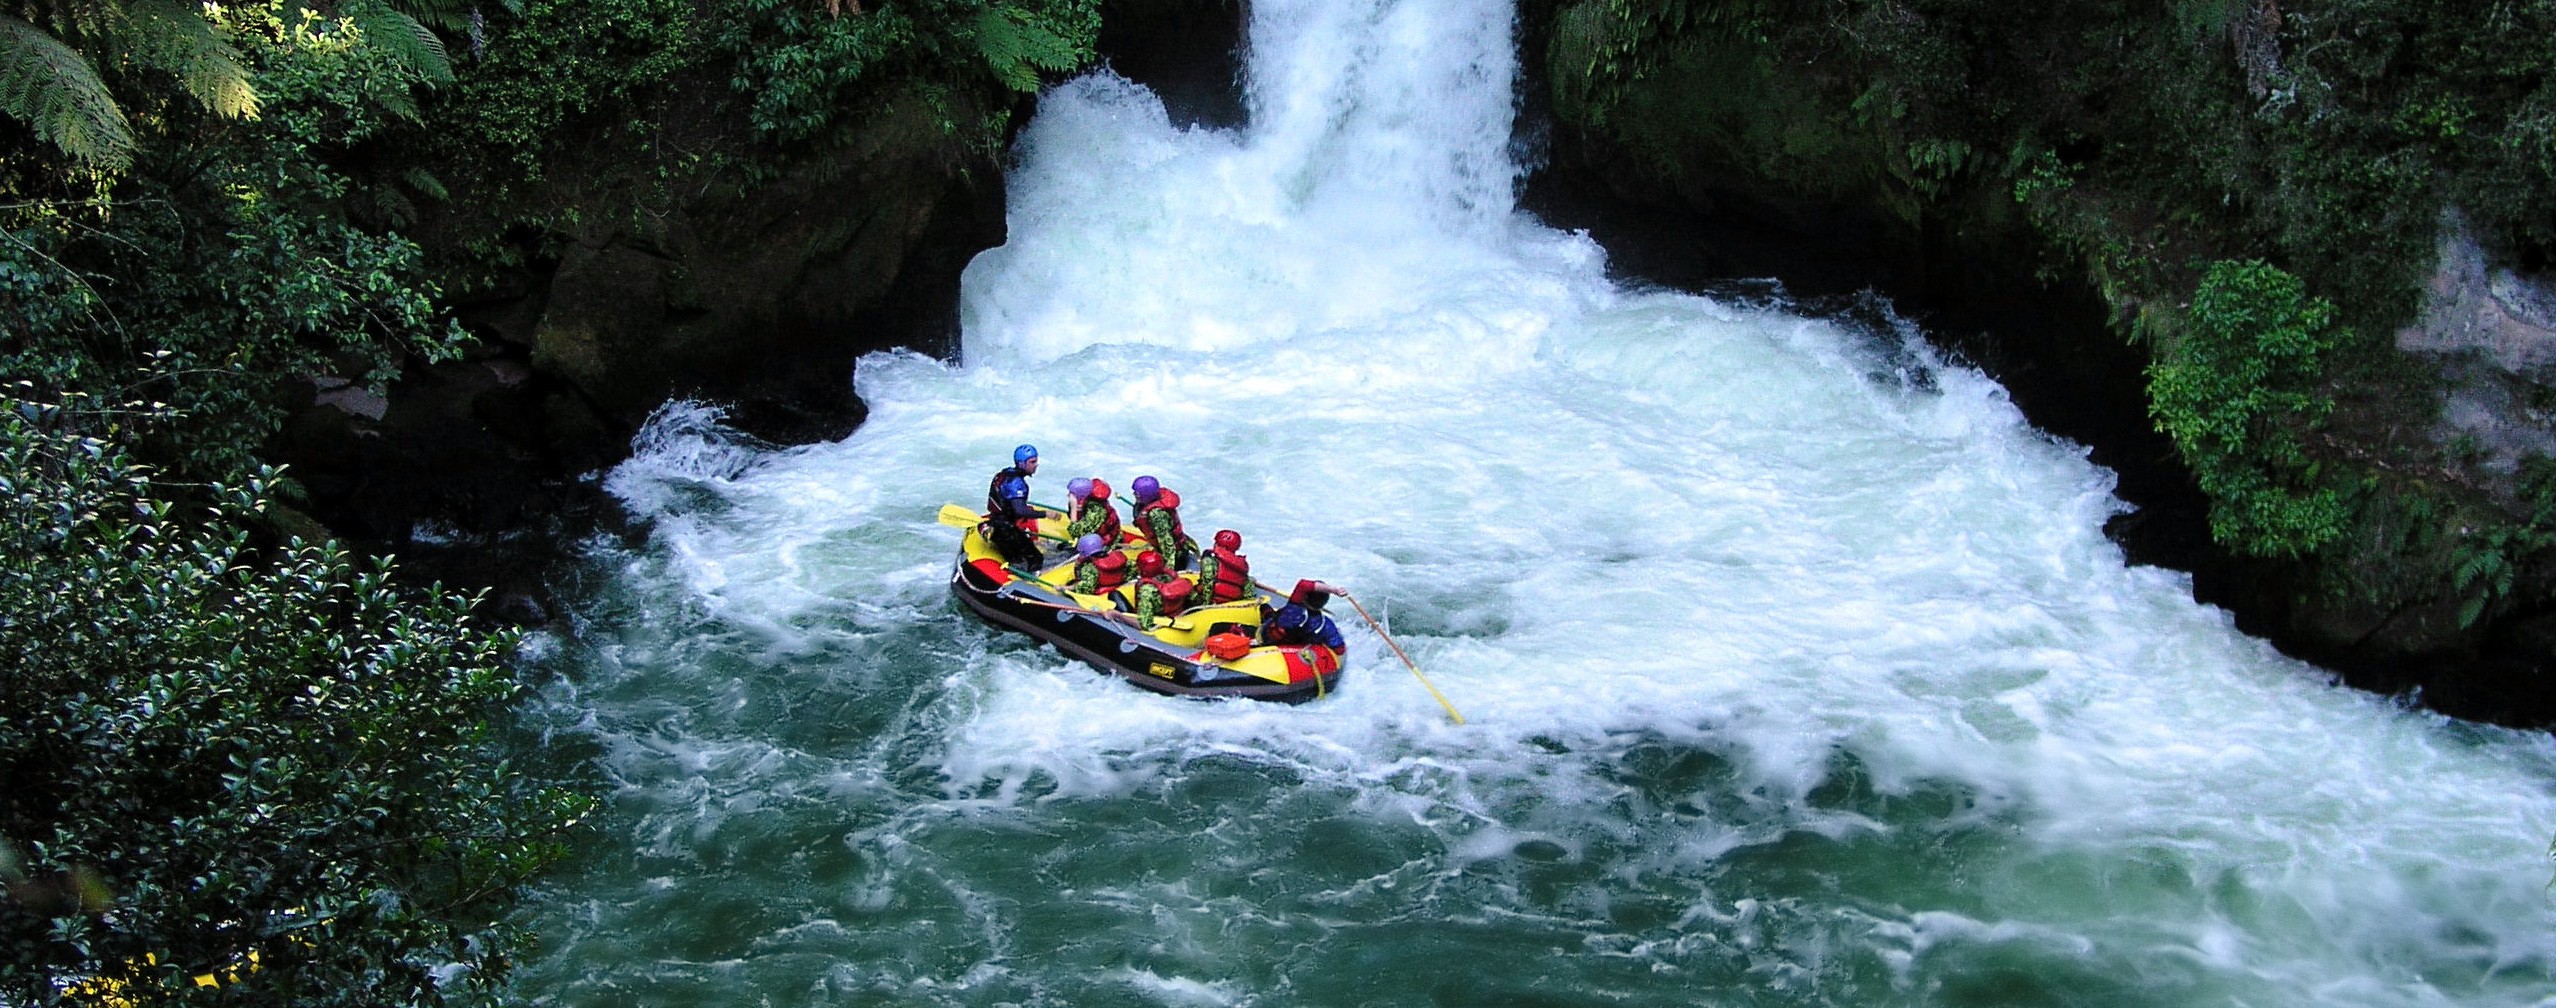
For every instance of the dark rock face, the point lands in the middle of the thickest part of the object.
(763, 296)
(1187, 52)
(758, 295)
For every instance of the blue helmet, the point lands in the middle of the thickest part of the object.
(1089, 545)
(1079, 487)
(1024, 453)
(1146, 488)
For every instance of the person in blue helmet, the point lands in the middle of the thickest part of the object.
(1011, 521)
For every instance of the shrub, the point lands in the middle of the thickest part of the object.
(2236, 389)
(216, 751)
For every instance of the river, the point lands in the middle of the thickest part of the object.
(1795, 667)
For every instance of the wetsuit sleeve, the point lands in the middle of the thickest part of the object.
(1149, 604)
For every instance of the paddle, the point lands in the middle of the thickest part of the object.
(958, 516)
(1389, 642)
(1406, 659)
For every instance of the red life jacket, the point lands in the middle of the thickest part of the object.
(1233, 576)
(1109, 529)
(1113, 569)
(1175, 603)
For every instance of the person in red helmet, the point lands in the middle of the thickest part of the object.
(1224, 570)
(1312, 594)
(1299, 623)
(1158, 514)
(1160, 594)
(1093, 514)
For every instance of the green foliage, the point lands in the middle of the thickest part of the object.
(51, 60)
(1017, 43)
(2236, 389)
(55, 91)
(231, 274)
(176, 37)
(795, 65)
(542, 65)
(2490, 559)
(222, 750)
(1603, 49)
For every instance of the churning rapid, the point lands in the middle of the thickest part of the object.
(1798, 671)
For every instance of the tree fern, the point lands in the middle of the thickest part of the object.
(173, 35)
(405, 38)
(57, 92)
(437, 13)
(1017, 47)
(71, 20)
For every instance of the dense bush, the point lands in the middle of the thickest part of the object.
(227, 266)
(215, 750)
(2236, 388)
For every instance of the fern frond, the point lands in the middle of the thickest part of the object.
(172, 35)
(436, 13)
(56, 91)
(75, 22)
(1017, 47)
(425, 182)
(407, 41)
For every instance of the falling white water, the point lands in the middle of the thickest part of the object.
(1795, 666)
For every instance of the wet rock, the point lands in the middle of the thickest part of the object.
(2493, 333)
(761, 296)
(756, 290)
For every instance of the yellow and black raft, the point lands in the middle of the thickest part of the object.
(1205, 651)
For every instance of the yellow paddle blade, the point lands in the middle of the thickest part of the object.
(956, 516)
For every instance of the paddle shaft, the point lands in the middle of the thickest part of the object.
(1389, 642)
(1406, 659)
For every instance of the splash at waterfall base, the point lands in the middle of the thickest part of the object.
(1173, 658)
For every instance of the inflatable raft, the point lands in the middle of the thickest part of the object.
(1175, 657)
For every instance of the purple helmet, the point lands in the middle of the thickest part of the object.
(1079, 486)
(1146, 489)
(1089, 545)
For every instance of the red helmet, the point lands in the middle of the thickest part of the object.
(1228, 539)
(1100, 490)
(1149, 563)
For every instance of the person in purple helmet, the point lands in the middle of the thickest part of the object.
(1158, 514)
(1091, 513)
(1100, 570)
